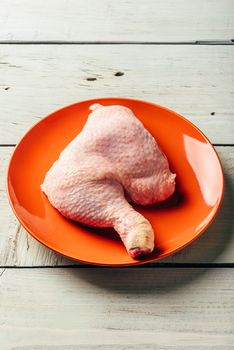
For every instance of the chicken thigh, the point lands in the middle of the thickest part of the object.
(113, 158)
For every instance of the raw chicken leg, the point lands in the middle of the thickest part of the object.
(113, 153)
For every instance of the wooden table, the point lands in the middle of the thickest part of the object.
(176, 53)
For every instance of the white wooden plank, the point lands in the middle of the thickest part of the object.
(196, 81)
(2, 270)
(165, 308)
(110, 20)
(18, 248)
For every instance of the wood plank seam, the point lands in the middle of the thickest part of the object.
(78, 42)
(144, 266)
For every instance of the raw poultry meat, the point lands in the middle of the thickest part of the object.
(113, 161)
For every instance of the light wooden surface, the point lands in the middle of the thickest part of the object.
(131, 20)
(18, 248)
(190, 79)
(47, 52)
(123, 308)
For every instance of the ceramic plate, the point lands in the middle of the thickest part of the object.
(176, 222)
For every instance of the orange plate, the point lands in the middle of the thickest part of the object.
(176, 222)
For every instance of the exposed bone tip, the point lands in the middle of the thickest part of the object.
(137, 252)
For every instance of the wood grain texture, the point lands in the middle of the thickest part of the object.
(196, 81)
(18, 248)
(88, 20)
(124, 308)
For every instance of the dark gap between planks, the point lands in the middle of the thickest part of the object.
(78, 42)
(146, 266)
